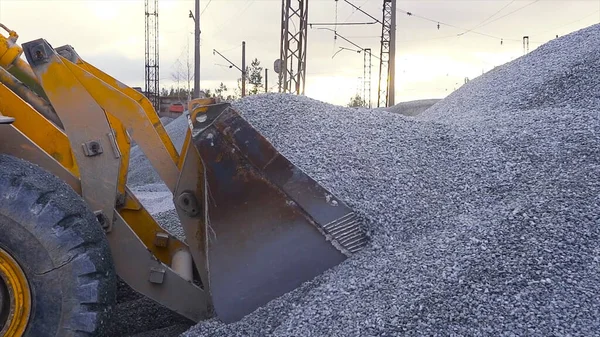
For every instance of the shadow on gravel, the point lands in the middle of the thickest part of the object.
(138, 316)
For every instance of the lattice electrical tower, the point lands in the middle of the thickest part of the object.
(294, 14)
(367, 76)
(386, 88)
(152, 89)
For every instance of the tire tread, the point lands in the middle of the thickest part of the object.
(76, 236)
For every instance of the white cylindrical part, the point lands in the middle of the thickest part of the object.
(182, 264)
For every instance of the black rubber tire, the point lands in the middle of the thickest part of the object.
(49, 230)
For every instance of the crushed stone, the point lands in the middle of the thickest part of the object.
(412, 108)
(148, 187)
(166, 120)
(482, 211)
(141, 172)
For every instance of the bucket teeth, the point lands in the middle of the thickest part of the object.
(347, 233)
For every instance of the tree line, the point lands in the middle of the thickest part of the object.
(183, 74)
(254, 76)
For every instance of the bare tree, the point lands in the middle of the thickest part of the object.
(189, 70)
(177, 76)
(184, 72)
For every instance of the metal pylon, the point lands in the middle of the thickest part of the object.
(152, 74)
(294, 27)
(386, 87)
(367, 76)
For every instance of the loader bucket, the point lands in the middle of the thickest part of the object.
(270, 227)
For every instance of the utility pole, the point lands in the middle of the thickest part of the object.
(385, 96)
(189, 76)
(392, 69)
(235, 65)
(196, 18)
(367, 76)
(243, 68)
(294, 14)
(387, 57)
(525, 44)
(266, 80)
(367, 64)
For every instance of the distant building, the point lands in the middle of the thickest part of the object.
(165, 103)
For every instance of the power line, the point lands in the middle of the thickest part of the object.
(489, 17)
(336, 34)
(358, 9)
(336, 14)
(340, 23)
(344, 48)
(516, 10)
(365, 37)
(567, 24)
(447, 24)
(456, 27)
(205, 7)
(354, 11)
(233, 18)
(430, 39)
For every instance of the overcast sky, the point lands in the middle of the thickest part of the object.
(431, 62)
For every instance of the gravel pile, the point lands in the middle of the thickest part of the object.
(147, 185)
(412, 108)
(166, 120)
(141, 173)
(483, 211)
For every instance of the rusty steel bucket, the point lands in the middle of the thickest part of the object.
(269, 227)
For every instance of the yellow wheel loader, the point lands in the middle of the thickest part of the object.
(256, 226)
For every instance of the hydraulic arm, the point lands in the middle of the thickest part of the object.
(256, 226)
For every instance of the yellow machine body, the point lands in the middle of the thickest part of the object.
(256, 226)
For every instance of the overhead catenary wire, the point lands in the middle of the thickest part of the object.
(456, 27)
(510, 13)
(566, 24)
(355, 10)
(336, 15)
(489, 17)
(232, 18)
(340, 23)
(344, 48)
(336, 34)
(232, 48)
(360, 10)
(205, 7)
(516, 10)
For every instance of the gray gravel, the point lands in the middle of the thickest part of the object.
(483, 211)
(141, 172)
(412, 108)
(166, 120)
(146, 184)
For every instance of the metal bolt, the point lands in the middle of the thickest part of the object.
(161, 240)
(187, 202)
(157, 275)
(94, 146)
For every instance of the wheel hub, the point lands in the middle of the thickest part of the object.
(15, 297)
